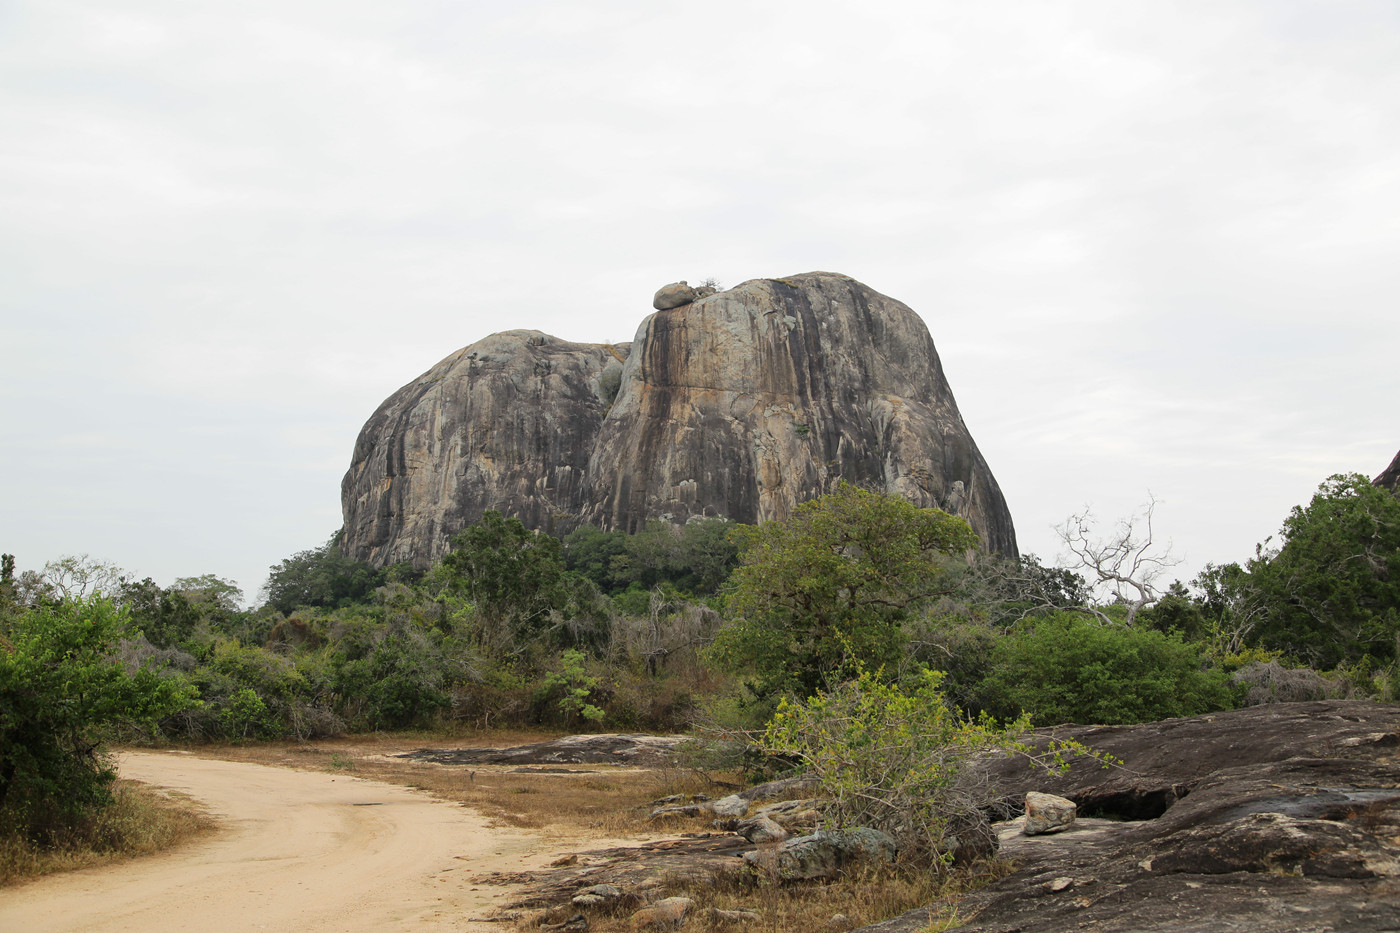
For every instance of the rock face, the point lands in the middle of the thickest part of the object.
(503, 424)
(1390, 476)
(738, 404)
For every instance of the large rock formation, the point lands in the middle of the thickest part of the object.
(739, 404)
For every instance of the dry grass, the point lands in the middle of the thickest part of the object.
(140, 821)
(807, 908)
(597, 801)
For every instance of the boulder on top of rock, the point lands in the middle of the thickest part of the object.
(771, 790)
(676, 811)
(605, 748)
(1047, 813)
(597, 895)
(674, 296)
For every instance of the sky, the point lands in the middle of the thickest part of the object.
(1155, 244)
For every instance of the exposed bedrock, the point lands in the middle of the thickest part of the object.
(739, 404)
(1271, 819)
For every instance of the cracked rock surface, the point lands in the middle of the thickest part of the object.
(1273, 818)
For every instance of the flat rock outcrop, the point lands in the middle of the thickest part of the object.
(604, 748)
(1272, 818)
(738, 404)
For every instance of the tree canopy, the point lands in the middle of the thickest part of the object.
(320, 577)
(59, 688)
(834, 584)
(1331, 592)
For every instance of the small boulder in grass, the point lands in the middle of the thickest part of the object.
(824, 854)
(665, 914)
(599, 895)
(1047, 813)
(677, 811)
(733, 805)
(761, 829)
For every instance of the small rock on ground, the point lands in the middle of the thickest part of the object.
(667, 913)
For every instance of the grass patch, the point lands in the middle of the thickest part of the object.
(804, 908)
(140, 821)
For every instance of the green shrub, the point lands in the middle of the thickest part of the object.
(832, 588)
(571, 688)
(61, 687)
(890, 758)
(1070, 669)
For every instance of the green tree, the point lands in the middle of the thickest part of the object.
(210, 590)
(165, 617)
(834, 584)
(507, 570)
(1071, 669)
(573, 687)
(7, 582)
(320, 577)
(1178, 611)
(1331, 593)
(60, 688)
(695, 558)
(599, 555)
(391, 679)
(522, 593)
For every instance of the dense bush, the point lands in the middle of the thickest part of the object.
(1071, 669)
(320, 577)
(890, 758)
(1331, 593)
(61, 687)
(833, 587)
(695, 558)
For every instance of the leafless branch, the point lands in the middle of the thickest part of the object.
(1126, 564)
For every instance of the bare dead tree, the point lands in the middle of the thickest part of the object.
(1125, 564)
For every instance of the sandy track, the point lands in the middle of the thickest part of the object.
(297, 851)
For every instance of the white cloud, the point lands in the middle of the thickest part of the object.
(1154, 244)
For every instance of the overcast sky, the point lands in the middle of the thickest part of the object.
(1156, 244)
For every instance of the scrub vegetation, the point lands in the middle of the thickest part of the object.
(861, 618)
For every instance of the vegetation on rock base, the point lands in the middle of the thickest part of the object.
(658, 630)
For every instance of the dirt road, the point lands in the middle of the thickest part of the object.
(298, 851)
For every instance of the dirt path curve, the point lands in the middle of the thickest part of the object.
(298, 851)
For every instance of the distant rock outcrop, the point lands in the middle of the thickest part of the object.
(737, 404)
(1390, 477)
